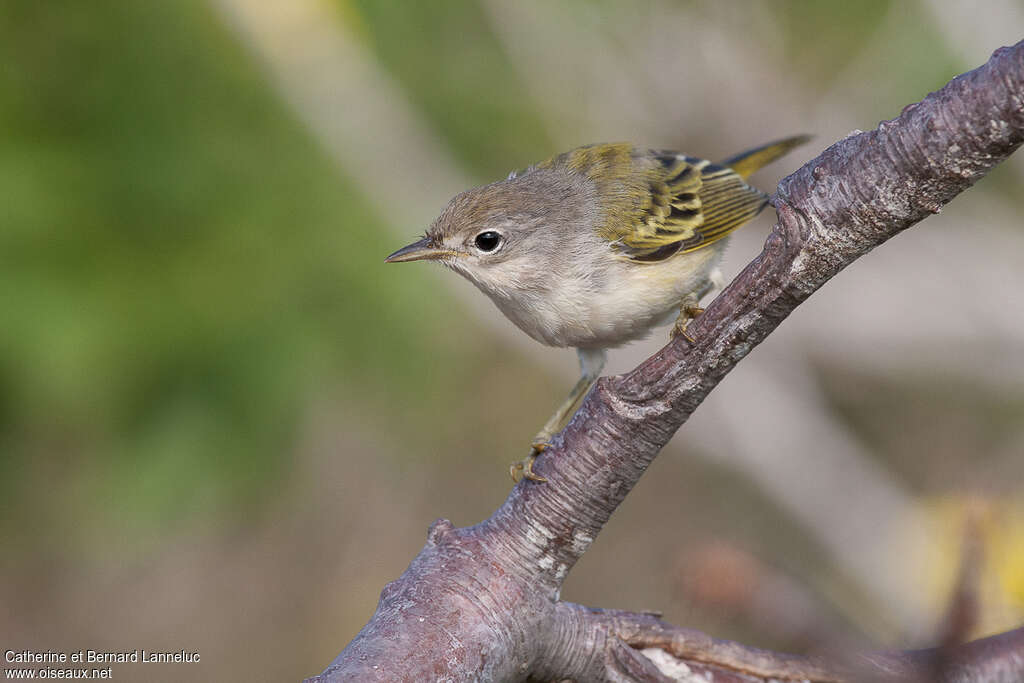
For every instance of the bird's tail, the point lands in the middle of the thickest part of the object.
(745, 163)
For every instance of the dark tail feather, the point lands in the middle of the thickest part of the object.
(745, 163)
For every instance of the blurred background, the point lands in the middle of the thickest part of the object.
(225, 424)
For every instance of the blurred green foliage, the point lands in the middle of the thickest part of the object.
(491, 129)
(821, 37)
(181, 268)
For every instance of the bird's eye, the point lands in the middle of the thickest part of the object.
(487, 241)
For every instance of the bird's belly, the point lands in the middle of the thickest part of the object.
(629, 312)
(633, 299)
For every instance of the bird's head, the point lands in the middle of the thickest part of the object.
(506, 236)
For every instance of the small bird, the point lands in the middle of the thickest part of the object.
(595, 247)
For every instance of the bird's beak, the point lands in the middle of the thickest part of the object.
(418, 251)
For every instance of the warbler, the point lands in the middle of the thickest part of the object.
(595, 247)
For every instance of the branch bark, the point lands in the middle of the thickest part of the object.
(482, 603)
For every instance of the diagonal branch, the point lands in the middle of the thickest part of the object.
(481, 603)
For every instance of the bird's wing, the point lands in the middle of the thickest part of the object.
(689, 204)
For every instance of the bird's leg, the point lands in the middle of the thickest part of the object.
(714, 285)
(690, 308)
(591, 364)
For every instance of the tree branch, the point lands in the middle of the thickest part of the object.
(482, 603)
(686, 651)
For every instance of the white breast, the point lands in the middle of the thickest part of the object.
(624, 305)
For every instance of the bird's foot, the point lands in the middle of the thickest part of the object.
(687, 312)
(524, 468)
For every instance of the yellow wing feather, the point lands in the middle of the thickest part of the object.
(747, 162)
(689, 204)
(655, 204)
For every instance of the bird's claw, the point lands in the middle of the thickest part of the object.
(686, 314)
(524, 467)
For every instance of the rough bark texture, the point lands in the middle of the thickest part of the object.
(482, 603)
